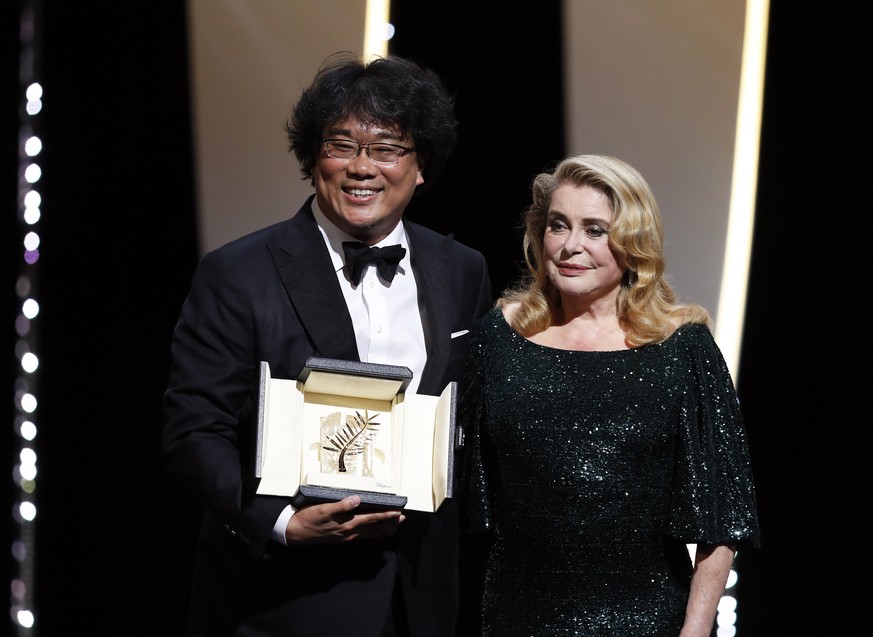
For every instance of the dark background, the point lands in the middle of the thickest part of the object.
(115, 538)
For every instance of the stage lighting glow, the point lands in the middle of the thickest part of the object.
(377, 29)
(24, 618)
(27, 511)
(31, 241)
(32, 173)
(738, 246)
(28, 403)
(727, 604)
(30, 308)
(33, 92)
(29, 362)
(32, 201)
(32, 146)
(27, 430)
(726, 619)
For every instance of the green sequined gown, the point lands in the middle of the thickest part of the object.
(595, 469)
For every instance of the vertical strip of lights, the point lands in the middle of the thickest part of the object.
(377, 28)
(744, 188)
(23, 613)
(738, 247)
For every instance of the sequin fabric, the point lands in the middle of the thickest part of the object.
(594, 470)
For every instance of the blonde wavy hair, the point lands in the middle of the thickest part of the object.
(646, 306)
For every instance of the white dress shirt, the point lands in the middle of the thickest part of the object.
(385, 315)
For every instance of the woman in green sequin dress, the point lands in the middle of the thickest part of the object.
(603, 429)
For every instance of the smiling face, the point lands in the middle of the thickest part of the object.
(363, 198)
(578, 259)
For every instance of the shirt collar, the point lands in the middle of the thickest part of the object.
(334, 237)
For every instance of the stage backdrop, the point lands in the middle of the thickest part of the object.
(656, 84)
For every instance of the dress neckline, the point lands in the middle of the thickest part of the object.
(540, 346)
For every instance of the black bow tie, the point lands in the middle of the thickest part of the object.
(358, 255)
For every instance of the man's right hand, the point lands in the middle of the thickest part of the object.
(334, 522)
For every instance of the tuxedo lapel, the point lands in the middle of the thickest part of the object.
(432, 270)
(308, 275)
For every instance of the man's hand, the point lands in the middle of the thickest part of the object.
(338, 522)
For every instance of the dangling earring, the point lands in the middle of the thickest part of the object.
(628, 279)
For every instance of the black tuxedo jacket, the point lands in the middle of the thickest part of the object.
(273, 296)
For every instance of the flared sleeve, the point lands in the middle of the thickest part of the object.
(475, 497)
(713, 495)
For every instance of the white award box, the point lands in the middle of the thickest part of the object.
(345, 427)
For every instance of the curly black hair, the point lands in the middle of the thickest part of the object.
(389, 91)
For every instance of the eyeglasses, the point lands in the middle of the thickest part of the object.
(378, 152)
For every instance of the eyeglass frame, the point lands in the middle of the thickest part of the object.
(401, 150)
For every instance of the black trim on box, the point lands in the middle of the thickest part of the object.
(370, 500)
(357, 368)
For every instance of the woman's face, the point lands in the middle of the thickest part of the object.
(578, 259)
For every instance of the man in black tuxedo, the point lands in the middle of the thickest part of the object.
(368, 136)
